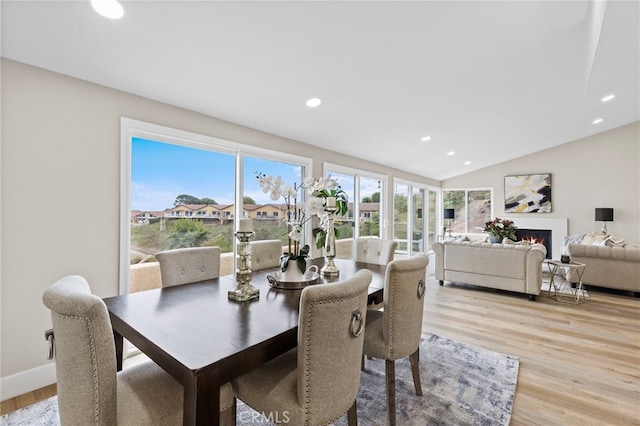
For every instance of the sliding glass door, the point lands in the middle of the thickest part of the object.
(414, 217)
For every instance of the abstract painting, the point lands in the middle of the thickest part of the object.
(527, 193)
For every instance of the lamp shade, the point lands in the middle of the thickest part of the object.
(604, 214)
(450, 213)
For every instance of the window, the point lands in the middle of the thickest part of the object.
(472, 208)
(269, 227)
(189, 189)
(365, 205)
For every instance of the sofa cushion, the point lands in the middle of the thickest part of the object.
(627, 254)
(480, 258)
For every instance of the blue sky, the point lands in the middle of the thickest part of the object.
(162, 171)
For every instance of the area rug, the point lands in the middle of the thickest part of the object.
(461, 385)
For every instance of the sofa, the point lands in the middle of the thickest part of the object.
(511, 267)
(611, 262)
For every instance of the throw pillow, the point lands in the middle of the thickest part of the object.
(595, 239)
(615, 242)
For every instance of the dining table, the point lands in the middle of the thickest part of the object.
(204, 339)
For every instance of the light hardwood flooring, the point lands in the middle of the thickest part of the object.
(579, 364)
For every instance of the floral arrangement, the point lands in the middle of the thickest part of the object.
(318, 190)
(501, 228)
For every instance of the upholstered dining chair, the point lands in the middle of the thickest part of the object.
(395, 332)
(188, 265)
(317, 382)
(265, 254)
(90, 391)
(374, 250)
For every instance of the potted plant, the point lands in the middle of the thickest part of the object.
(297, 215)
(499, 229)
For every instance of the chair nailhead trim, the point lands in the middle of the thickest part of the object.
(94, 363)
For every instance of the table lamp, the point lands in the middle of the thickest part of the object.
(449, 215)
(604, 215)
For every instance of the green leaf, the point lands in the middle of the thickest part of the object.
(302, 264)
(284, 262)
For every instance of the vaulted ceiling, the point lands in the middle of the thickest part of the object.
(488, 80)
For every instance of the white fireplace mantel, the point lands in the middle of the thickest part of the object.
(557, 225)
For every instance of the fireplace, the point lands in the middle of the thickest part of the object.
(541, 236)
(557, 225)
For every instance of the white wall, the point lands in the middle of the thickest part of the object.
(60, 196)
(598, 171)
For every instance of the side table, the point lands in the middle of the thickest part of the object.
(563, 291)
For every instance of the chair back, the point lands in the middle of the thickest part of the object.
(265, 254)
(330, 342)
(188, 265)
(374, 250)
(85, 353)
(404, 291)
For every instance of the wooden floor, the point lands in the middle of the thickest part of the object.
(579, 364)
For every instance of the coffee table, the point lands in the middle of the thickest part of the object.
(559, 288)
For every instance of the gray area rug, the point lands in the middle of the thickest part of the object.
(461, 385)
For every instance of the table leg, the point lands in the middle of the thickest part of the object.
(553, 270)
(119, 341)
(202, 400)
(579, 286)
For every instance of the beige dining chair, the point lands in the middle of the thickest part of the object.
(317, 382)
(265, 254)
(395, 332)
(90, 391)
(188, 265)
(374, 250)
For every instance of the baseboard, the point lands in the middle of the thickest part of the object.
(27, 381)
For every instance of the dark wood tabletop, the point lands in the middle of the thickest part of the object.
(204, 339)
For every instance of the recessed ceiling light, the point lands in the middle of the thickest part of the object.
(450, 153)
(466, 163)
(426, 138)
(608, 98)
(597, 121)
(314, 102)
(108, 8)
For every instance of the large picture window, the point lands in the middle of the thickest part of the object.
(180, 189)
(472, 208)
(366, 205)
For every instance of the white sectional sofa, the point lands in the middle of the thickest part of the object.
(511, 267)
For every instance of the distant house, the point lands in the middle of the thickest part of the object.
(139, 216)
(269, 212)
(367, 209)
(250, 211)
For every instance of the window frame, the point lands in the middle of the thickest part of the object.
(131, 128)
(328, 167)
(466, 204)
(426, 189)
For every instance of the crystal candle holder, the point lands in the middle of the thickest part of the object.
(243, 290)
(330, 269)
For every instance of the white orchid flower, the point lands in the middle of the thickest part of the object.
(323, 216)
(308, 182)
(314, 206)
(276, 192)
(265, 183)
(289, 192)
(330, 183)
(296, 232)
